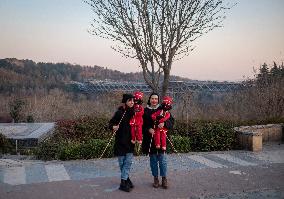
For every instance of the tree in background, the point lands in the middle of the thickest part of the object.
(268, 76)
(16, 108)
(262, 98)
(156, 32)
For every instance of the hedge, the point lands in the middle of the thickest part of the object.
(86, 138)
(67, 150)
(5, 144)
(180, 144)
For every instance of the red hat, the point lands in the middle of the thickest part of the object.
(138, 95)
(167, 100)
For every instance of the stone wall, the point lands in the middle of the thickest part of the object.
(252, 137)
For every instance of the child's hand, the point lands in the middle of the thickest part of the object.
(115, 128)
(161, 125)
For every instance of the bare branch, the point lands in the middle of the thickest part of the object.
(156, 32)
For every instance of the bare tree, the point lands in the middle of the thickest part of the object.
(156, 32)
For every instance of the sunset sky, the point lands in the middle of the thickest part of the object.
(56, 31)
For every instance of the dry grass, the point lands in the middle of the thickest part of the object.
(57, 105)
(257, 103)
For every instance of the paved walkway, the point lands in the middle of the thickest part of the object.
(17, 172)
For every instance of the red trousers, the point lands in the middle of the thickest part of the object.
(160, 138)
(136, 133)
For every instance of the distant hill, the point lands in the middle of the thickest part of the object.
(28, 75)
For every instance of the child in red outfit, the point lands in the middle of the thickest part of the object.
(160, 116)
(137, 121)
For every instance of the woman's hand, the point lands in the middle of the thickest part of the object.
(115, 128)
(151, 131)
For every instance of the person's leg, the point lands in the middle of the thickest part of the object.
(162, 158)
(125, 163)
(154, 169)
(163, 169)
(128, 163)
(133, 136)
(154, 164)
(163, 139)
(139, 134)
(123, 185)
(157, 138)
(120, 162)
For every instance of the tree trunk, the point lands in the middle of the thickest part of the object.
(165, 82)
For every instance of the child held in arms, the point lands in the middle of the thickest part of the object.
(159, 117)
(137, 121)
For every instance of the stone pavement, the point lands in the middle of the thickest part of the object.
(231, 174)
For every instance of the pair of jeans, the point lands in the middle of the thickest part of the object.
(125, 165)
(158, 160)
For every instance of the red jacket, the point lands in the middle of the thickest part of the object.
(137, 119)
(162, 117)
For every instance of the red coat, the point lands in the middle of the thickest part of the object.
(137, 119)
(163, 118)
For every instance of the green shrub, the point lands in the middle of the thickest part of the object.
(5, 145)
(207, 135)
(94, 148)
(83, 129)
(182, 128)
(68, 150)
(49, 149)
(83, 138)
(16, 109)
(181, 144)
(30, 119)
(87, 137)
(213, 136)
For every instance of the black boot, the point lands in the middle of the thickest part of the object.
(156, 182)
(164, 182)
(124, 186)
(130, 184)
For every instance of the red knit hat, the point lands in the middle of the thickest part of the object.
(167, 100)
(138, 95)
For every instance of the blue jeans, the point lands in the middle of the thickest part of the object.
(160, 158)
(125, 165)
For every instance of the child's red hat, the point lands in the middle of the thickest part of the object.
(138, 95)
(167, 100)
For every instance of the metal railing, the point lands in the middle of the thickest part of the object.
(100, 86)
